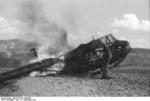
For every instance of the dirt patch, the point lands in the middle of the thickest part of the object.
(125, 81)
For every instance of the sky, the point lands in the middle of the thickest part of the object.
(126, 19)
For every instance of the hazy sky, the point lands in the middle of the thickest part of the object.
(126, 19)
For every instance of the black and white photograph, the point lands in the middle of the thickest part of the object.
(74, 48)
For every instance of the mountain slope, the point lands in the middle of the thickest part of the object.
(14, 53)
(137, 57)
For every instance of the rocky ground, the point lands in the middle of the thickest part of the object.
(124, 81)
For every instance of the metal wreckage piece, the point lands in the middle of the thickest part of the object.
(94, 57)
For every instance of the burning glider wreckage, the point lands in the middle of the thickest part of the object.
(95, 57)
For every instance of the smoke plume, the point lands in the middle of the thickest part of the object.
(50, 37)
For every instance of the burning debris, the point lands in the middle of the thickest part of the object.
(94, 57)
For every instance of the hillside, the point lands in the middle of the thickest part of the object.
(14, 53)
(137, 57)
